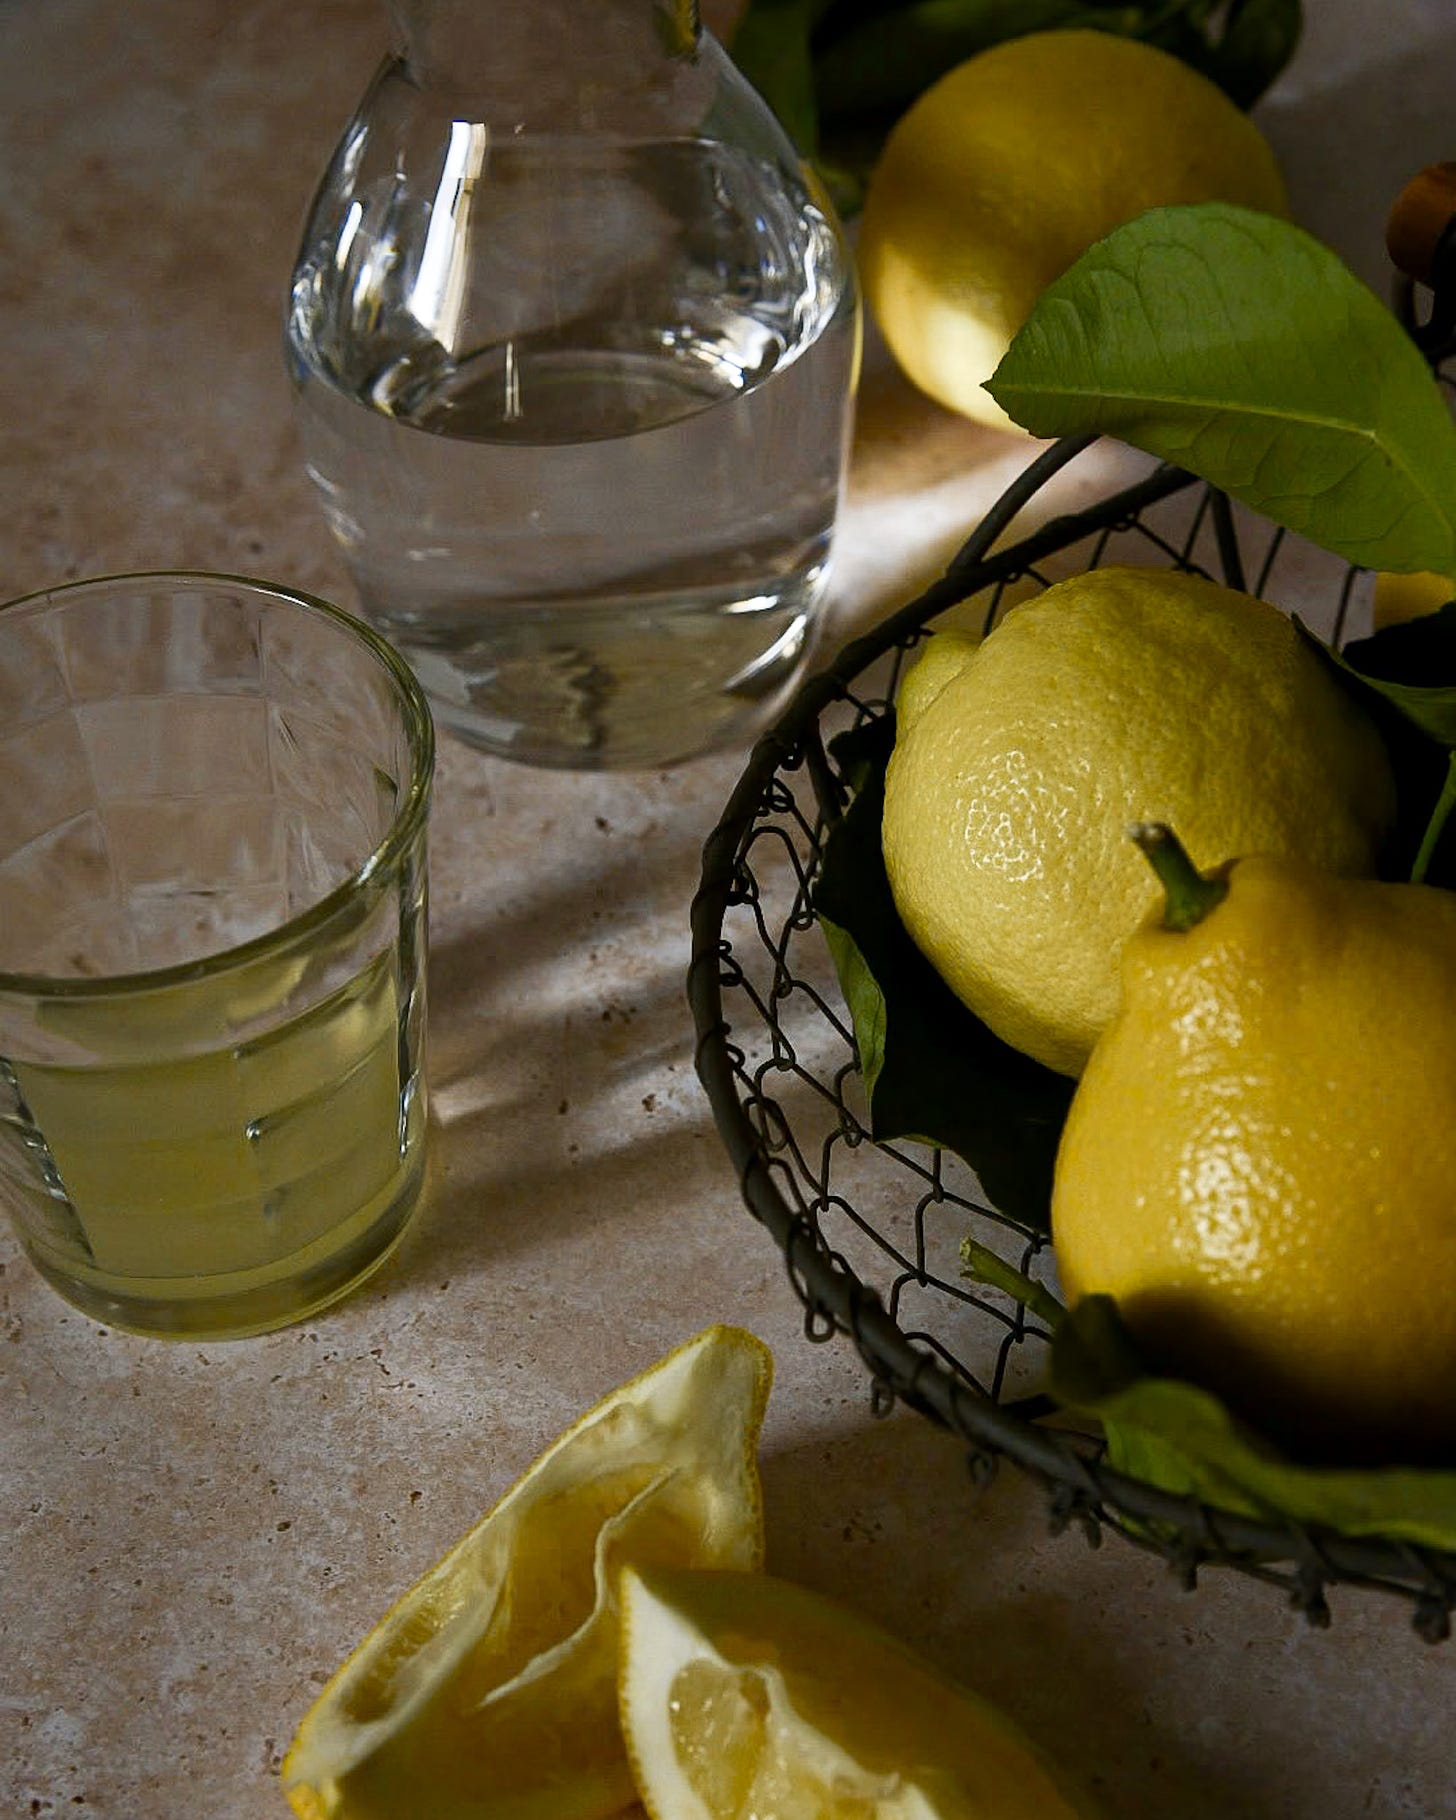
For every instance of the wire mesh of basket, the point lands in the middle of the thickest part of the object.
(871, 1232)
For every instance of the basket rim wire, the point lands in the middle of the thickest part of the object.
(910, 1367)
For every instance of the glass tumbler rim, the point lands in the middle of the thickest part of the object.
(405, 826)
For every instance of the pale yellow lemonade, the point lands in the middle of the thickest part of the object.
(256, 1170)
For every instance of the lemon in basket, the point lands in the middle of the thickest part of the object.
(1006, 170)
(1257, 1164)
(1119, 695)
(1401, 597)
(489, 1691)
(744, 1695)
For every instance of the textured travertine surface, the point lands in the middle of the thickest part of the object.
(194, 1536)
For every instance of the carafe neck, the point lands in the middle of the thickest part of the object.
(543, 51)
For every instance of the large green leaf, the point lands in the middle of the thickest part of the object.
(1169, 1433)
(1237, 346)
(931, 1068)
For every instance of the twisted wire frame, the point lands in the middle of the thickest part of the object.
(871, 1233)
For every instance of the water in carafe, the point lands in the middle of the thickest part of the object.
(577, 409)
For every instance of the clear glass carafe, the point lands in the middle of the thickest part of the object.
(574, 339)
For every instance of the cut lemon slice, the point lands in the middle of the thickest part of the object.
(746, 1696)
(489, 1691)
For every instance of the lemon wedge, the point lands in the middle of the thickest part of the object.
(744, 1695)
(489, 1691)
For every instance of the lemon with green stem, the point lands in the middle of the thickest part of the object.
(1258, 1160)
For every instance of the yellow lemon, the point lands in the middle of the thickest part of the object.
(939, 661)
(1258, 1161)
(489, 1691)
(1006, 170)
(1119, 695)
(958, 631)
(1398, 597)
(744, 1695)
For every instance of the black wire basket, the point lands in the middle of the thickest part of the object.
(871, 1231)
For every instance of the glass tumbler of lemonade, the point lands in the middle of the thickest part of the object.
(213, 806)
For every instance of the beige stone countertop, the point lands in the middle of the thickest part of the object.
(195, 1534)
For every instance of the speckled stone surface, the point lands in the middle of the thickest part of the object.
(194, 1535)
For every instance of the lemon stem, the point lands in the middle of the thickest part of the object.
(1188, 893)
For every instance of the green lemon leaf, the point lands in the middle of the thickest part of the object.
(865, 1001)
(1259, 39)
(931, 1068)
(1235, 345)
(1171, 1434)
(881, 64)
(1434, 863)
(982, 1265)
(862, 754)
(771, 48)
(839, 73)
(1413, 665)
(1405, 677)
